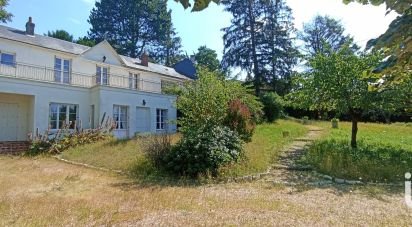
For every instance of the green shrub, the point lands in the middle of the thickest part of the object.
(203, 151)
(239, 119)
(368, 162)
(272, 106)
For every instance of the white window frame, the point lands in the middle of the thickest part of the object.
(121, 110)
(134, 81)
(100, 77)
(59, 73)
(8, 53)
(161, 119)
(67, 122)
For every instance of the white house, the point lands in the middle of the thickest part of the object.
(46, 82)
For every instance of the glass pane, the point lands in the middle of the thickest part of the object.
(61, 124)
(63, 109)
(7, 59)
(73, 109)
(53, 108)
(98, 75)
(105, 76)
(53, 116)
(66, 66)
(53, 125)
(57, 69)
(130, 80)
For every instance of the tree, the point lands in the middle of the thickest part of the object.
(258, 41)
(4, 15)
(396, 41)
(168, 49)
(130, 26)
(60, 34)
(207, 58)
(341, 81)
(199, 4)
(86, 41)
(324, 33)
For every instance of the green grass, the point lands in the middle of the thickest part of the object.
(264, 148)
(384, 152)
(127, 155)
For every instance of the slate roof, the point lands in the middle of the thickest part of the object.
(77, 49)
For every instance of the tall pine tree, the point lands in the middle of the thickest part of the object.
(130, 26)
(259, 41)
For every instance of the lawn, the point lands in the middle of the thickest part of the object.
(46, 192)
(127, 155)
(384, 152)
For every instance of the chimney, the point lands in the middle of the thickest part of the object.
(30, 27)
(145, 59)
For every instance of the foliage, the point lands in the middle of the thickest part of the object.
(400, 6)
(207, 58)
(370, 162)
(324, 34)
(86, 41)
(156, 147)
(340, 81)
(60, 34)
(130, 26)
(4, 15)
(168, 50)
(259, 41)
(239, 119)
(203, 151)
(272, 106)
(65, 138)
(204, 102)
(199, 4)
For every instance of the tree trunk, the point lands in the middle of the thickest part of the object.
(353, 142)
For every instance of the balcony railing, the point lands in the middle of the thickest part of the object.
(50, 75)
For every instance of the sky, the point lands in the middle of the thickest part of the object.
(200, 28)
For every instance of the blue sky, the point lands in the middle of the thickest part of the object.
(203, 28)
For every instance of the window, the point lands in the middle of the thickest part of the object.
(161, 118)
(102, 75)
(62, 70)
(134, 81)
(120, 116)
(63, 115)
(8, 59)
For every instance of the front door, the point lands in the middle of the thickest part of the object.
(9, 121)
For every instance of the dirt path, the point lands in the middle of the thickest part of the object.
(288, 170)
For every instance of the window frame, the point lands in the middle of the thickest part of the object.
(100, 76)
(134, 79)
(161, 119)
(67, 115)
(13, 64)
(118, 119)
(59, 74)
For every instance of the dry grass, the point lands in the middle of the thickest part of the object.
(45, 192)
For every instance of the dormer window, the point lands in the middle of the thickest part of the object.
(61, 70)
(102, 75)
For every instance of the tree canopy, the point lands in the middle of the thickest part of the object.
(207, 58)
(198, 4)
(60, 34)
(324, 33)
(4, 15)
(131, 26)
(259, 41)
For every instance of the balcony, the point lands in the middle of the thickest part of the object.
(50, 75)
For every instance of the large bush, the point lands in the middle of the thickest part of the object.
(203, 151)
(272, 106)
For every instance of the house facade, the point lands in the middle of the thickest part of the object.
(46, 83)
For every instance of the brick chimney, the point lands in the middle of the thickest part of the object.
(145, 59)
(30, 27)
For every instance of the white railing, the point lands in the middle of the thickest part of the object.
(50, 75)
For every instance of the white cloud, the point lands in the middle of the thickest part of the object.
(74, 20)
